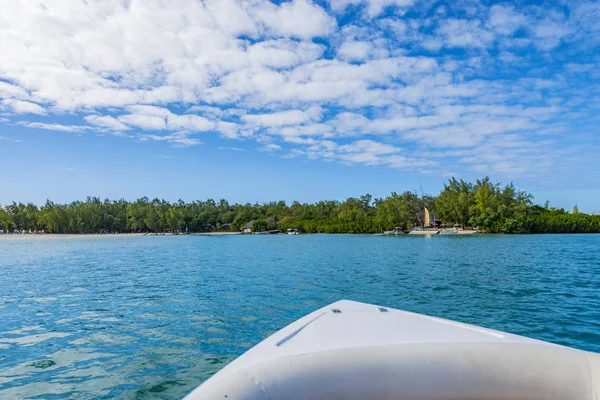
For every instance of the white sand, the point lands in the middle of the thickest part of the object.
(67, 236)
(97, 235)
(216, 233)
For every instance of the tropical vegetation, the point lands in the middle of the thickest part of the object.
(483, 204)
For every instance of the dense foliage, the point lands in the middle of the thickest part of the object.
(483, 204)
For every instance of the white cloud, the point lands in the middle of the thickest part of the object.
(231, 148)
(54, 127)
(292, 133)
(369, 146)
(298, 18)
(159, 118)
(508, 57)
(144, 121)
(464, 33)
(283, 53)
(283, 118)
(286, 72)
(231, 17)
(269, 148)
(585, 16)
(106, 122)
(549, 33)
(432, 44)
(350, 124)
(194, 123)
(148, 52)
(178, 139)
(10, 91)
(232, 130)
(24, 107)
(505, 19)
(354, 51)
(366, 152)
(409, 163)
(374, 7)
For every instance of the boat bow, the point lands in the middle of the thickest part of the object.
(352, 351)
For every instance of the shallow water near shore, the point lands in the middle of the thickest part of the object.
(153, 317)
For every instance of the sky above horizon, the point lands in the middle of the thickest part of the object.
(297, 100)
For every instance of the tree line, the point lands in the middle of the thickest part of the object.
(486, 205)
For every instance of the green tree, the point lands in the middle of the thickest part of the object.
(488, 205)
(175, 218)
(6, 220)
(260, 226)
(393, 212)
(455, 201)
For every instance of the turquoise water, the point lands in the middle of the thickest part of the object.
(152, 317)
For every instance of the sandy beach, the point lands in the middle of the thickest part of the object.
(120, 235)
(215, 233)
(97, 235)
(67, 236)
(435, 232)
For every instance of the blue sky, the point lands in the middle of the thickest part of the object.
(256, 100)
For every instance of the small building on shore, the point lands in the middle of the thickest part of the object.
(435, 221)
(248, 227)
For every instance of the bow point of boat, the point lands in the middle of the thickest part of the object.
(355, 351)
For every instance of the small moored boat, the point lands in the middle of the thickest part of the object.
(292, 231)
(357, 351)
(394, 232)
(449, 232)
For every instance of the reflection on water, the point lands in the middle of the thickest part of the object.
(152, 317)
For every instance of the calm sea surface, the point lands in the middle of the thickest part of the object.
(153, 317)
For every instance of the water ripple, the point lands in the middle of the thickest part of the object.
(152, 317)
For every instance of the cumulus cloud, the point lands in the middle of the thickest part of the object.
(549, 33)
(106, 121)
(354, 51)
(298, 18)
(293, 133)
(159, 118)
(24, 107)
(376, 82)
(368, 146)
(373, 7)
(505, 19)
(366, 152)
(283, 118)
(177, 139)
(464, 33)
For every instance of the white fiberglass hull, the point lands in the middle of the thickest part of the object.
(356, 351)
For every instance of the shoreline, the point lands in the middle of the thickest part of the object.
(130, 235)
(98, 235)
(66, 235)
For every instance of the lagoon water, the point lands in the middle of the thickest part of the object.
(152, 317)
